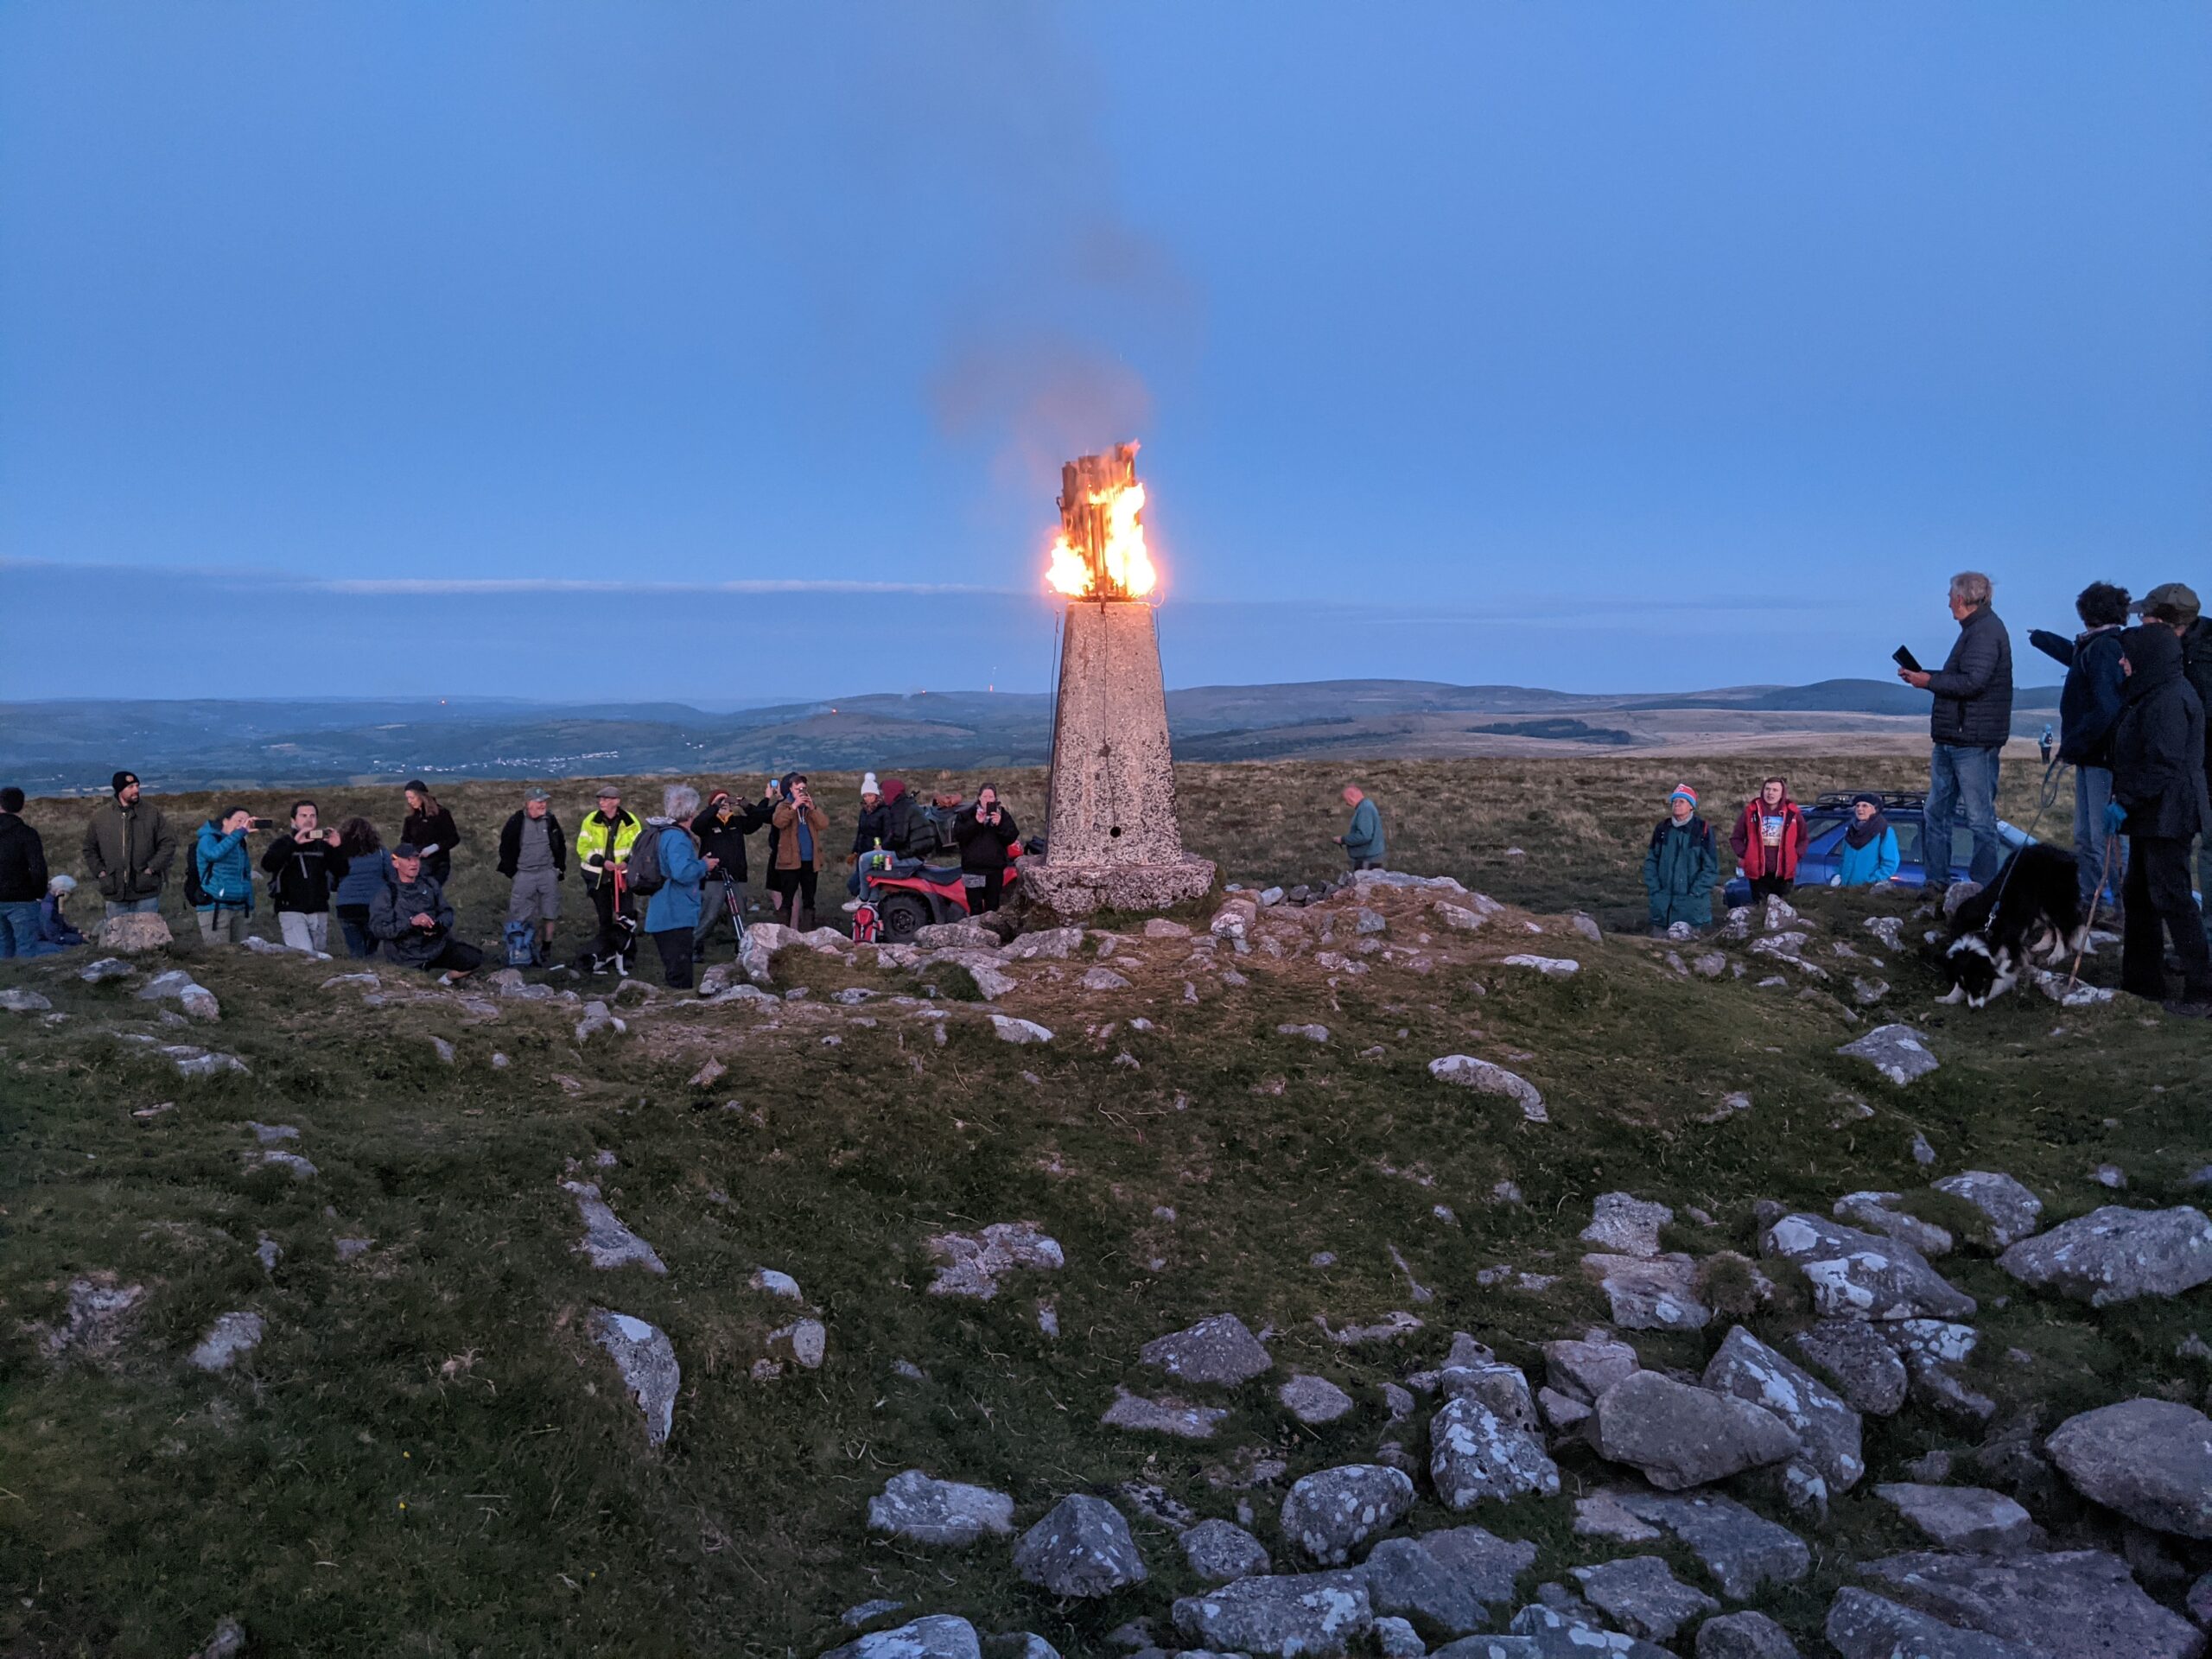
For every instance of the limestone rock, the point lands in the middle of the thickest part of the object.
(1585, 1367)
(1964, 1517)
(973, 1263)
(1044, 944)
(1681, 1436)
(646, 1360)
(1872, 1211)
(1011, 1030)
(1865, 1368)
(2077, 1604)
(2013, 1211)
(1332, 1511)
(1658, 1293)
(1930, 1350)
(1289, 1615)
(1549, 967)
(1863, 1626)
(1642, 1595)
(943, 1514)
(1603, 1515)
(1220, 1352)
(2150, 1459)
(940, 1636)
(1474, 1454)
(1748, 1368)
(1313, 1400)
(1623, 1224)
(230, 1336)
(142, 930)
(1556, 1632)
(1743, 1636)
(1741, 1548)
(956, 936)
(1896, 1051)
(1447, 1581)
(1164, 1416)
(197, 1063)
(1563, 1412)
(1481, 1075)
(599, 1018)
(805, 1343)
(1220, 1551)
(1862, 1275)
(1103, 979)
(606, 1240)
(776, 1284)
(107, 968)
(1082, 1549)
(2115, 1254)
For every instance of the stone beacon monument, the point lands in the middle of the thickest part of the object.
(1113, 840)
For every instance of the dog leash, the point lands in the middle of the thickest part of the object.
(2104, 875)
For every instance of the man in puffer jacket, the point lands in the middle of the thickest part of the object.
(226, 876)
(1967, 727)
(2159, 802)
(1681, 865)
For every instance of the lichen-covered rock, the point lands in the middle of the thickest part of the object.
(1743, 1636)
(1623, 1224)
(972, 1264)
(1862, 1275)
(1082, 1549)
(1332, 1512)
(940, 1636)
(1655, 1293)
(943, 1514)
(646, 1360)
(2012, 1210)
(1875, 1213)
(1865, 1368)
(1165, 1415)
(1741, 1548)
(1643, 1597)
(1445, 1581)
(1289, 1615)
(1863, 1626)
(1468, 1072)
(2081, 1604)
(1896, 1051)
(1011, 1030)
(1585, 1366)
(1748, 1368)
(1221, 1351)
(2150, 1459)
(1313, 1400)
(2115, 1254)
(1681, 1436)
(606, 1242)
(1220, 1551)
(1475, 1453)
(1963, 1518)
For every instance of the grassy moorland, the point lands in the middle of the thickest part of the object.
(425, 1454)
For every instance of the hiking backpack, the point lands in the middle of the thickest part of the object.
(641, 873)
(195, 880)
(522, 945)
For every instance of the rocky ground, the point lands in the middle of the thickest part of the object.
(1397, 1271)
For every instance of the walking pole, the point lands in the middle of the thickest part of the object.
(2103, 874)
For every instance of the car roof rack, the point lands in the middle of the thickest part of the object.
(1892, 800)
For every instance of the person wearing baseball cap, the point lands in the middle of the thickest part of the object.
(534, 855)
(1680, 866)
(603, 843)
(2174, 603)
(129, 848)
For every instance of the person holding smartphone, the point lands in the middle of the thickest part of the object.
(799, 826)
(983, 833)
(303, 866)
(225, 875)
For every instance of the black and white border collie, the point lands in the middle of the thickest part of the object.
(2034, 905)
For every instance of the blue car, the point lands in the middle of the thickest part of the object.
(1827, 818)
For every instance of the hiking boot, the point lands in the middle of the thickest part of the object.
(2189, 1008)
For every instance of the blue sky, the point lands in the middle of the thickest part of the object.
(720, 352)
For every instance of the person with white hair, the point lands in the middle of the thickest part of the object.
(55, 931)
(1967, 727)
(672, 908)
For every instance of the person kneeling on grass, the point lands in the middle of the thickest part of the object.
(416, 923)
(1681, 865)
(55, 931)
(1867, 855)
(672, 908)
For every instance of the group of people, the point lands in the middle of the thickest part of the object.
(2131, 726)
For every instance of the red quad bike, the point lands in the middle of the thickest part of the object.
(903, 895)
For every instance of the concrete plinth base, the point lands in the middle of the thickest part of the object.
(1080, 889)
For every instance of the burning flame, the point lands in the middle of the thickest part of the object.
(1127, 564)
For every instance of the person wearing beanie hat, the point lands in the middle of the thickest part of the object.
(128, 849)
(1680, 866)
(1867, 855)
(871, 834)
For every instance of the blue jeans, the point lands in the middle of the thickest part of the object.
(1962, 782)
(2092, 790)
(19, 929)
(133, 907)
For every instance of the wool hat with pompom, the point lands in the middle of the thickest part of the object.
(1683, 792)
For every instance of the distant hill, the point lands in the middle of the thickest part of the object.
(49, 747)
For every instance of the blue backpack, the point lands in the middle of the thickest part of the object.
(522, 945)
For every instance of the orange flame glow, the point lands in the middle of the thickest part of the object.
(1125, 560)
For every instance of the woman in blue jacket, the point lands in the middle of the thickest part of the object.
(672, 908)
(368, 873)
(226, 876)
(1867, 855)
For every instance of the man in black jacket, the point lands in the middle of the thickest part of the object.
(22, 877)
(2160, 799)
(534, 855)
(721, 829)
(2175, 604)
(1971, 718)
(2088, 707)
(304, 866)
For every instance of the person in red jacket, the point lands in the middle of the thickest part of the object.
(1769, 837)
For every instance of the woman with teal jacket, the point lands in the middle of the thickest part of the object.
(1867, 855)
(226, 876)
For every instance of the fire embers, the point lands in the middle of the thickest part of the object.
(1100, 551)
